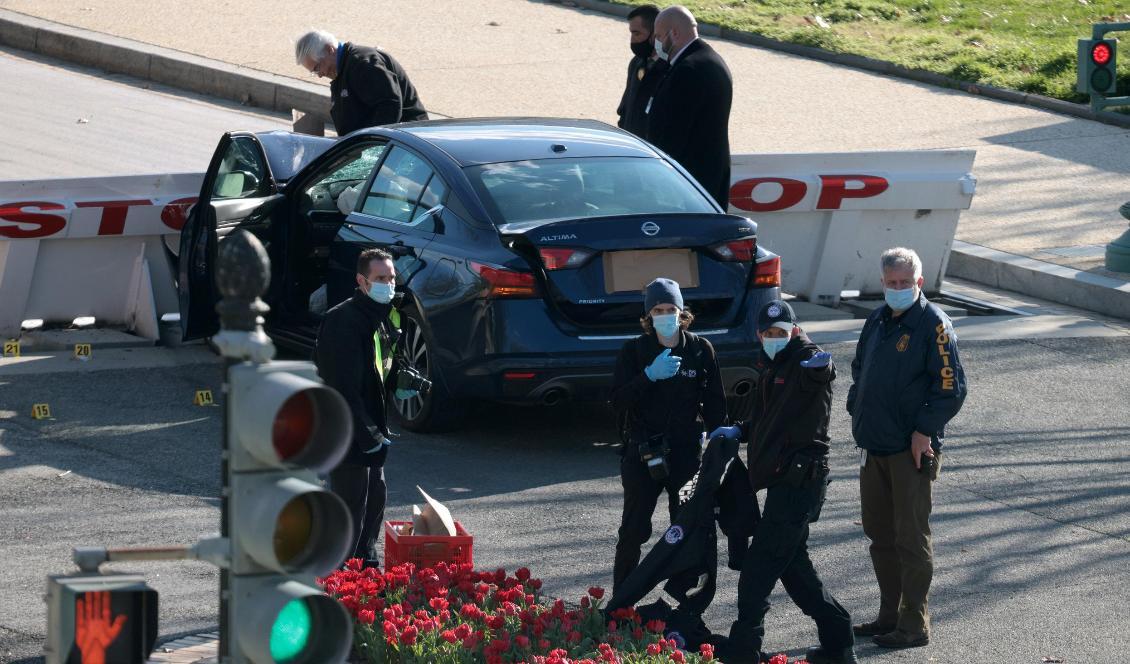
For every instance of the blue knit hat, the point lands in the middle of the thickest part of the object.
(662, 291)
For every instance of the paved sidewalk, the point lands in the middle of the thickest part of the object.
(1049, 188)
(195, 649)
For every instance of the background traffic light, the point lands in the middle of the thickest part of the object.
(284, 428)
(1097, 71)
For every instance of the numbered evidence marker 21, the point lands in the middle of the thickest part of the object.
(11, 348)
(204, 398)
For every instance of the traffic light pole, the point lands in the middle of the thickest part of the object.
(1098, 32)
(243, 272)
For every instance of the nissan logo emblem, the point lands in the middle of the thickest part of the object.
(650, 228)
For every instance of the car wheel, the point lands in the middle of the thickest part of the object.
(435, 410)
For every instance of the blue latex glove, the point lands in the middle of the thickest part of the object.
(730, 433)
(663, 366)
(380, 440)
(817, 361)
(404, 395)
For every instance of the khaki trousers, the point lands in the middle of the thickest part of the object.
(896, 500)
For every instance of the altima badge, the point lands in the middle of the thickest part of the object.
(650, 228)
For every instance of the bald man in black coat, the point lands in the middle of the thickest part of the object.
(689, 116)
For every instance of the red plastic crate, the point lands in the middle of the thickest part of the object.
(426, 550)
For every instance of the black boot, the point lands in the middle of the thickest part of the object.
(822, 656)
(729, 651)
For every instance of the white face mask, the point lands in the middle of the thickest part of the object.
(661, 52)
(774, 345)
(900, 300)
(382, 293)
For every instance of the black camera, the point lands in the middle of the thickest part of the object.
(410, 379)
(654, 455)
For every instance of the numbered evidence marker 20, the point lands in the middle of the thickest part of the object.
(204, 398)
(82, 351)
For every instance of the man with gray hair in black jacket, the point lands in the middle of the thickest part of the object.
(907, 384)
(368, 87)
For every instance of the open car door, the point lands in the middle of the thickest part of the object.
(238, 193)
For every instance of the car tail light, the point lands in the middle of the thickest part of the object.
(768, 273)
(736, 250)
(505, 283)
(519, 375)
(560, 258)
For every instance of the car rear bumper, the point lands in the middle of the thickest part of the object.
(534, 380)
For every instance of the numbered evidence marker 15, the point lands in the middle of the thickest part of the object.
(204, 398)
(11, 348)
(41, 411)
(82, 352)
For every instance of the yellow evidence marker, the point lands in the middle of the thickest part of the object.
(11, 348)
(204, 398)
(82, 352)
(41, 411)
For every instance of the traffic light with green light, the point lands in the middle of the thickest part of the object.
(284, 428)
(1097, 66)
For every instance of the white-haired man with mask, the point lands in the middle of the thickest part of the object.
(368, 87)
(908, 383)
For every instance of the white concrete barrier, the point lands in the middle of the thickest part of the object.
(101, 246)
(92, 247)
(829, 216)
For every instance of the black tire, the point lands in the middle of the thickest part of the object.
(436, 410)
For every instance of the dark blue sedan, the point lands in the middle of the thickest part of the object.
(521, 249)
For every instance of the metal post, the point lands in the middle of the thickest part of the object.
(243, 272)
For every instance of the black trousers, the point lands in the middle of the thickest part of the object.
(779, 551)
(641, 495)
(364, 492)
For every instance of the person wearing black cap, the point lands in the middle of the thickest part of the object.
(788, 455)
(665, 380)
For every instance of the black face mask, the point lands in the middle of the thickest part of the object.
(643, 49)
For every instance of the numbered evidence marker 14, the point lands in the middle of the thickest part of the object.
(204, 398)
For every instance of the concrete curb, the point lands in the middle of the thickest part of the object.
(877, 66)
(162, 65)
(1040, 279)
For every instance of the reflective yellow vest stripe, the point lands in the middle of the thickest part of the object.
(378, 352)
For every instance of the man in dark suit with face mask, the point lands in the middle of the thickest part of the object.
(644, 71)
(689, 115)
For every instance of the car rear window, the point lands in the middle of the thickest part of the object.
(550, 189)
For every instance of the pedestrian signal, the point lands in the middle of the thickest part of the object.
(100, 618)
(1097, 66)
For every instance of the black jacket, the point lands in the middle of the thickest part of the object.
(670, 406)
(345, 357)
(644, 75)
(906, 377)
(790, 414)
(371, 88)
(690, 117)
(688, 551)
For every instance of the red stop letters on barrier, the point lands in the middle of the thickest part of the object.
(29, 220)
(19, 215)
(833, 190)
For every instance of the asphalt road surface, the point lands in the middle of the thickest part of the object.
(1032, 517)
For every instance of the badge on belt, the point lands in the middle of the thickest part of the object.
(640, 73)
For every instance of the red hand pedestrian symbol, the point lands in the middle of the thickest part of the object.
(93, 629)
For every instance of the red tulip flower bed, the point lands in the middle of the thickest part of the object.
(451, 613)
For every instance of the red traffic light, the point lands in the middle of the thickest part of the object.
(293, 427)
(1101, 53)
